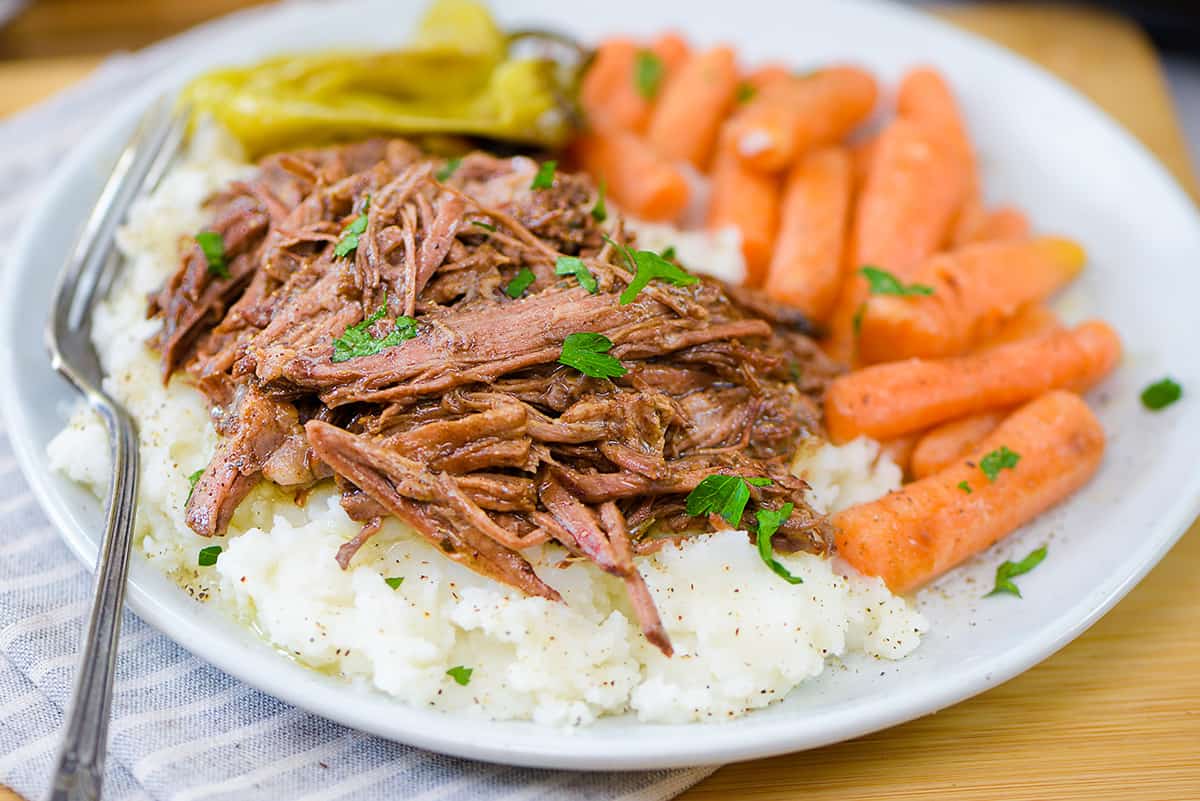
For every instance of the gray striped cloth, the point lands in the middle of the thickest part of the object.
(182, 730)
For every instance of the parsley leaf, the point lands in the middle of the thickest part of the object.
(212, 245)
(394, 581)
(648, 266)
(462, 675)
(1008, 570)
(723, 495)
(1000, 459)
(447, 169)
(192, 479)
(599, 212)
(588, 353)
(647, 73)
(545, 175)
(669, 253)
(208, 556)
(521, 281)
(570, 265)
(884, 283)
(759, 481)
(1161, 394)
(484, 225)
(357, 340)
(349, 241)
(745, 92)
(769, 521)
(965, 487)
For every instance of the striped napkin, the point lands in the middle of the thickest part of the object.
(182, 730)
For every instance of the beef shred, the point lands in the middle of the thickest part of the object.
(471, 431)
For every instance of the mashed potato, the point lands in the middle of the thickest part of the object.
(743, 638)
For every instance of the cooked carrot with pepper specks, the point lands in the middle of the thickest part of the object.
(975, 289)
(636, 177)
(887, 400)
(747, 200)
(692, 106)
(610, 94)
(943, 445)
(912, 536)
(792, 116)
(805, 269)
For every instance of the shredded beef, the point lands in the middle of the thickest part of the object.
(471, 431)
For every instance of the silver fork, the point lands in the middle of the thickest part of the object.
(79, 772)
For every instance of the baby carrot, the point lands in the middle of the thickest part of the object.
(614, 95)
(673, 50)
(912, 536)
(749, 201)
(862, 153)
(792, 116)
(692, 106)
(805, 269)
(765, 75)
(900, 451)
(973, 291)
(887, 400)
(1030, 321)
(638, 179)
(925, 97)
(941, 446)
(1005, 222)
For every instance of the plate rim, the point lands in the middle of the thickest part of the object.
(771, 737)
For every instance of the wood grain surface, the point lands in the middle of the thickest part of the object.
(1114, 715)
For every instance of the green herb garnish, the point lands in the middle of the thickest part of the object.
(647, 73)
(1000, 459)
(965, 487)
(485, 226)
(669, 253)
(599, 212)
(357, 340)
(588, 353)
(545, 175)
(212, 245)
(521, 281)
(192, 479)
(745, 92)
(208, 556)
(460, 674)
(570, 265)
(856, 322)
(884, 283)
(769, 521)
(447, 169)
(394, 581)
(1161, 394)
(648, 266)
(723, 495)
(349, 241)
(1008, 570)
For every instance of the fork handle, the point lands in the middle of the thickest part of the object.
(79, 772)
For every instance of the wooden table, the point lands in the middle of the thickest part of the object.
(1116, 714)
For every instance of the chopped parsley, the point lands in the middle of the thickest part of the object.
(357, 340)
(745, 92)
(1008, 570)
(571, 265)
(212, 245)
(647, 73)
(192, 479)
(723, 495)
(349, 241)
(394, 581)
(545, 175)
(521, 281)
(769, 521)
(965, 487)
(1000, 459)
(484, 225)
(461, 675)
(856, 322)
(648, 266)
(1161, 394)
(588, 353)
(447, 169)
(884, 283)
(208, 556)
(599, 211)
(669, 253)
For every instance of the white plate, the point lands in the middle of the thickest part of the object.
(1042, 146)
